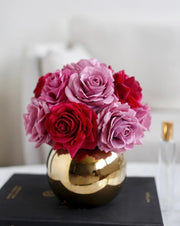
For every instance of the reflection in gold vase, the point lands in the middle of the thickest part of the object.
(87, 183)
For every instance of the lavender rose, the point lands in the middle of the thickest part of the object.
(143, 114)
(34, 122)
(91, 83)
(118, 128)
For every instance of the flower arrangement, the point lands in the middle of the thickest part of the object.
(87, 108)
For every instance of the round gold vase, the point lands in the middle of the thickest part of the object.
(88, 183)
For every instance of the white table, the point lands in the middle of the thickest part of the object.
(171, 218)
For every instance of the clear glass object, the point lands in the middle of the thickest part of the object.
(166, 164)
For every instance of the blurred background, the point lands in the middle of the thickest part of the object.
(39, 36)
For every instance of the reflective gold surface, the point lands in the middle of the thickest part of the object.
(87, 183)
(167, 131)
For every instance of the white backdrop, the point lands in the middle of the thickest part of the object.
(24, 23)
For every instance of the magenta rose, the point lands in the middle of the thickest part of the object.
(118, 128)
(34, 122)
(72, 126)
(143, 114)
(51, 87)
(90, 83)
(127, 89)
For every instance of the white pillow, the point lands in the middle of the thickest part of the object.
(55, 58)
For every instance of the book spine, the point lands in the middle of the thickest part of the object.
(46, 223)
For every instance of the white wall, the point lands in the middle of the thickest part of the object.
(24, 22)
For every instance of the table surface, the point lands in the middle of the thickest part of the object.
(170, 218)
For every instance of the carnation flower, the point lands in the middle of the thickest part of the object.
(118, 128)
(34, 122)
(72, 126)
(127, 89)
(90, 83)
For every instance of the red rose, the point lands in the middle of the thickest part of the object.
(40, 84)
(127, 89)
(72, 126)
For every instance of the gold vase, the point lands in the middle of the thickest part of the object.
(88, 183)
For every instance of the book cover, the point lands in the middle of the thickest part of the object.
(27, 200)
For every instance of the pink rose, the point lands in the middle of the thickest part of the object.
(144, 116)
(127, 89)
(118, 128)
(34, 122)
(53, 90)
(72, 126)
(80, 65)
(90, 83)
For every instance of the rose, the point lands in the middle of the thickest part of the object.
(143, 114)
(72, 126)
(62, 112)
(80, 65)
(34, 122)
(118, 128)
(40, 84)
(53, 91)
(127, 89)
(51, 87)
(90, 83)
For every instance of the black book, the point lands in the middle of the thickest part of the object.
(27, 200)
